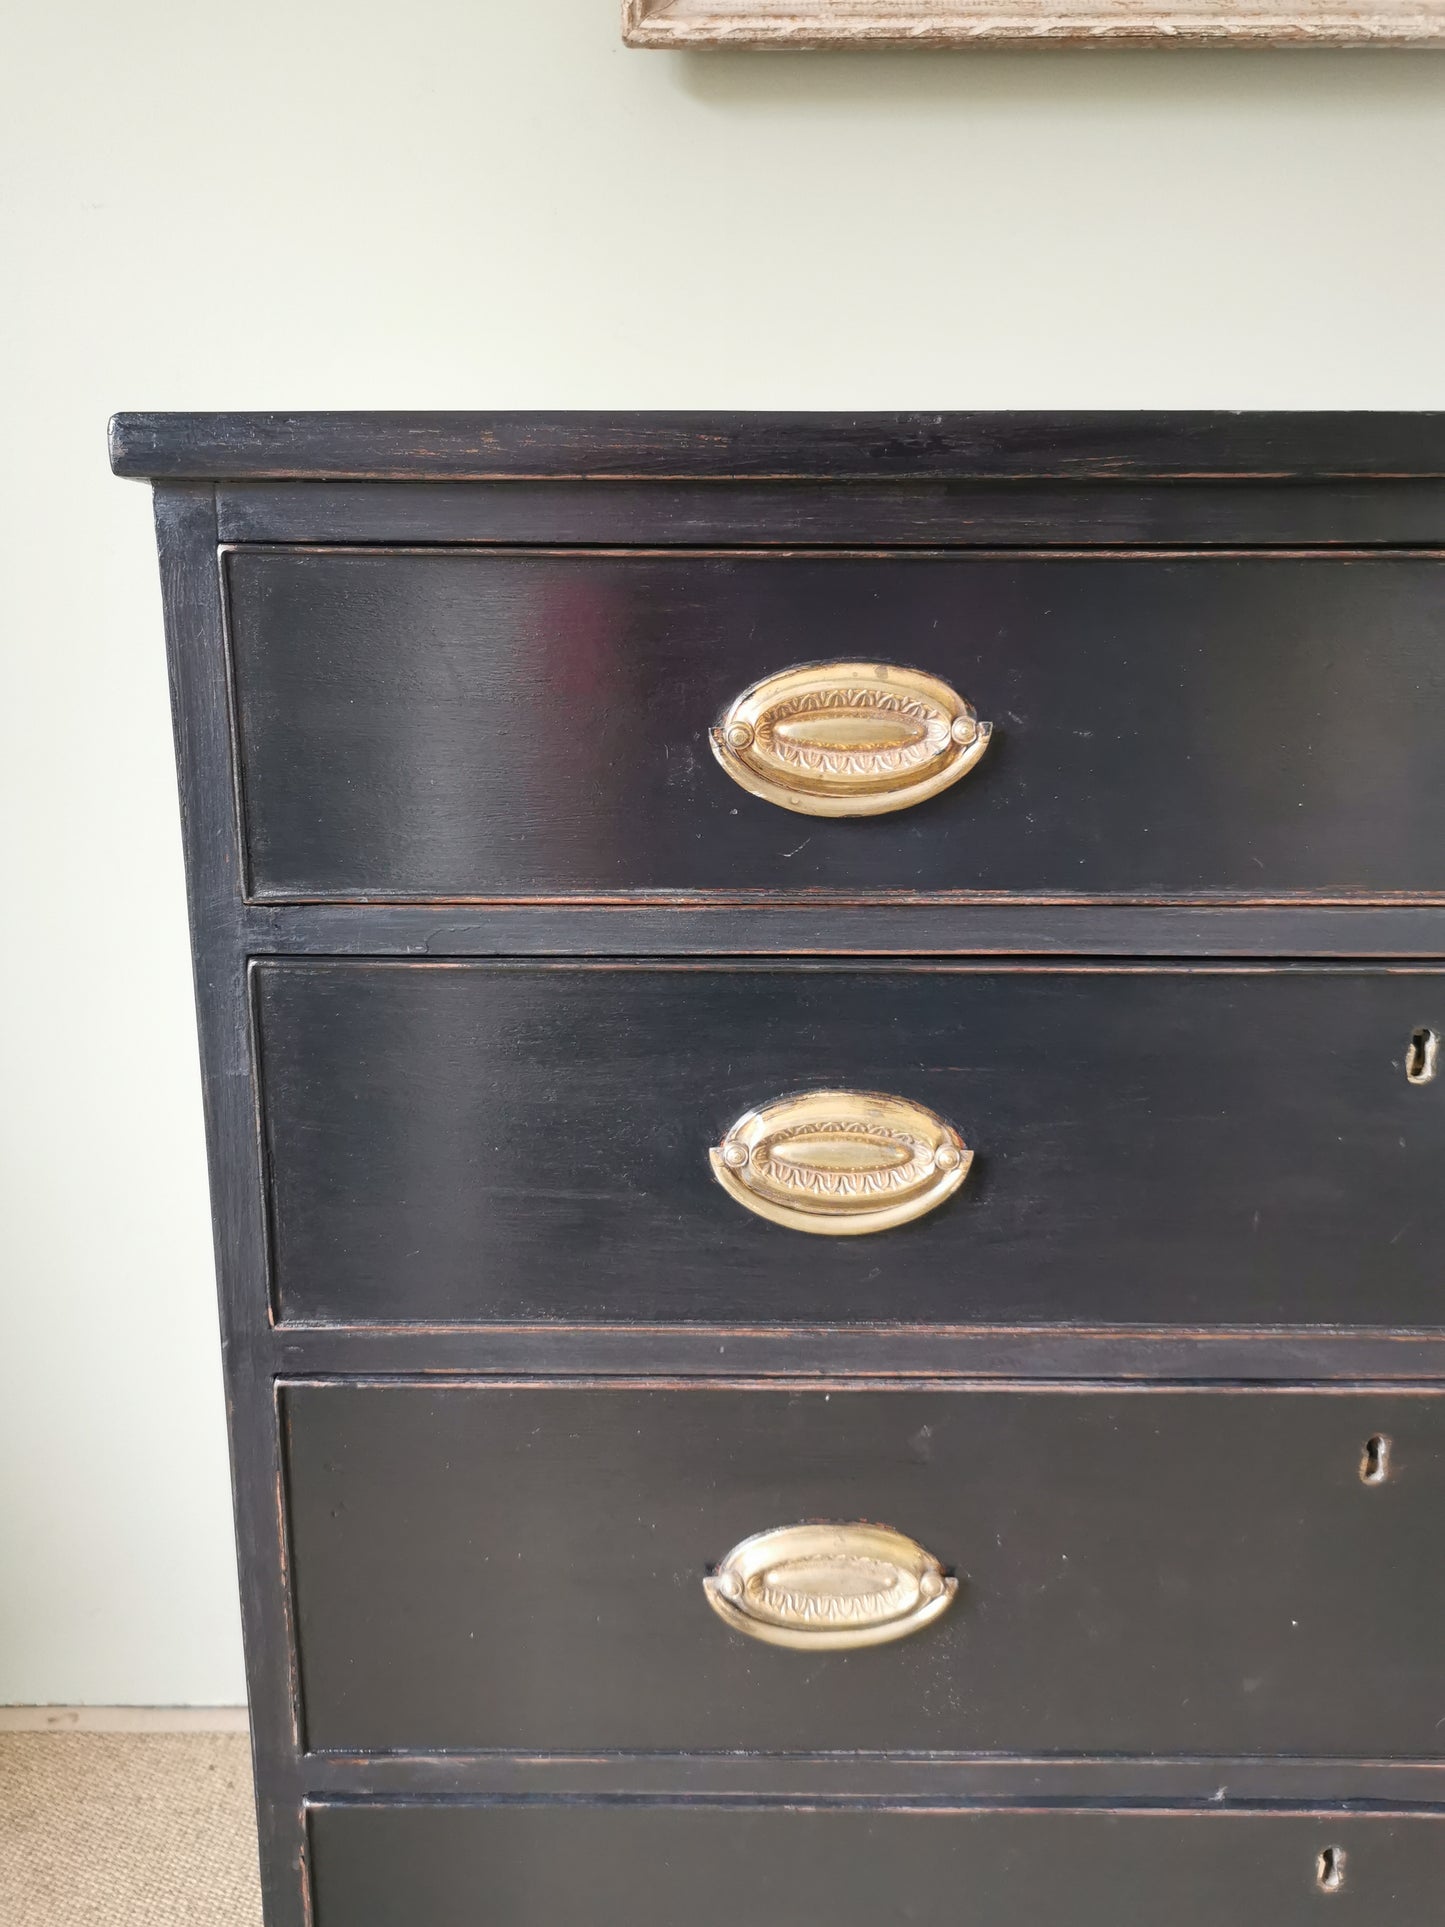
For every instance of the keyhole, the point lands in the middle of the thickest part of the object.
(1375, 1461)
(1422, 1060)
(1330, 1870)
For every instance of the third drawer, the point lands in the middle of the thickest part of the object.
(1130, 1571)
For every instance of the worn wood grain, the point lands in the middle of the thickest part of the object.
(1020, 444)
(827, 1778)
(916, 1353)
(186, 535)
(926, 513)
(955, 23)
(683, 926)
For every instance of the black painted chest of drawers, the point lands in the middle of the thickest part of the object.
(821, 1043)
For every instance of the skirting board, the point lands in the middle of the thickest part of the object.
(123, 1719)
(960, 23)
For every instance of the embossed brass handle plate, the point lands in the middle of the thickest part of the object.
(841, 1162)
(829, 1586)
(849, 738)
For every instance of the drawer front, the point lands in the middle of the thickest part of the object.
(1136, 1572)
(658, 1865)
(489, 1142)
(470, 724)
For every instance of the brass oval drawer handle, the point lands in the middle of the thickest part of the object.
(829, 1586)
(849, 738)
(841, 1162)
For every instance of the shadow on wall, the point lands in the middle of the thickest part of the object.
(1102, 79)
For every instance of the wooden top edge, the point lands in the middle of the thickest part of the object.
(1028, 446)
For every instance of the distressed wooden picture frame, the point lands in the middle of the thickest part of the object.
(959, 23)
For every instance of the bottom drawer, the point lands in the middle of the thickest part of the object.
(711, 1866)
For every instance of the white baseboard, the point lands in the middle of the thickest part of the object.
(123, 1719)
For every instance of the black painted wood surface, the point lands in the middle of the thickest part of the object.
(1145, 1572)
(1048, 482)
(186, 539)
(604, 446)
(1252, 513)
(658, 1866)
(668, 927)
(457, 724)
(1293, 1354)
(463, 1142)
(935, 1779)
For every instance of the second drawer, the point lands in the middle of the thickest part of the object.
(475, 1142)
(1134, 1572)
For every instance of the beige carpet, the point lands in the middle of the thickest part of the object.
(127, 1830)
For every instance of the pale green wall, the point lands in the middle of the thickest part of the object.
(474, 203)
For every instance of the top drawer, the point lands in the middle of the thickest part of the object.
(500, 725)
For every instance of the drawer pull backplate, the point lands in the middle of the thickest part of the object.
(841, 1162)
(829, 1586)
(849, 738)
